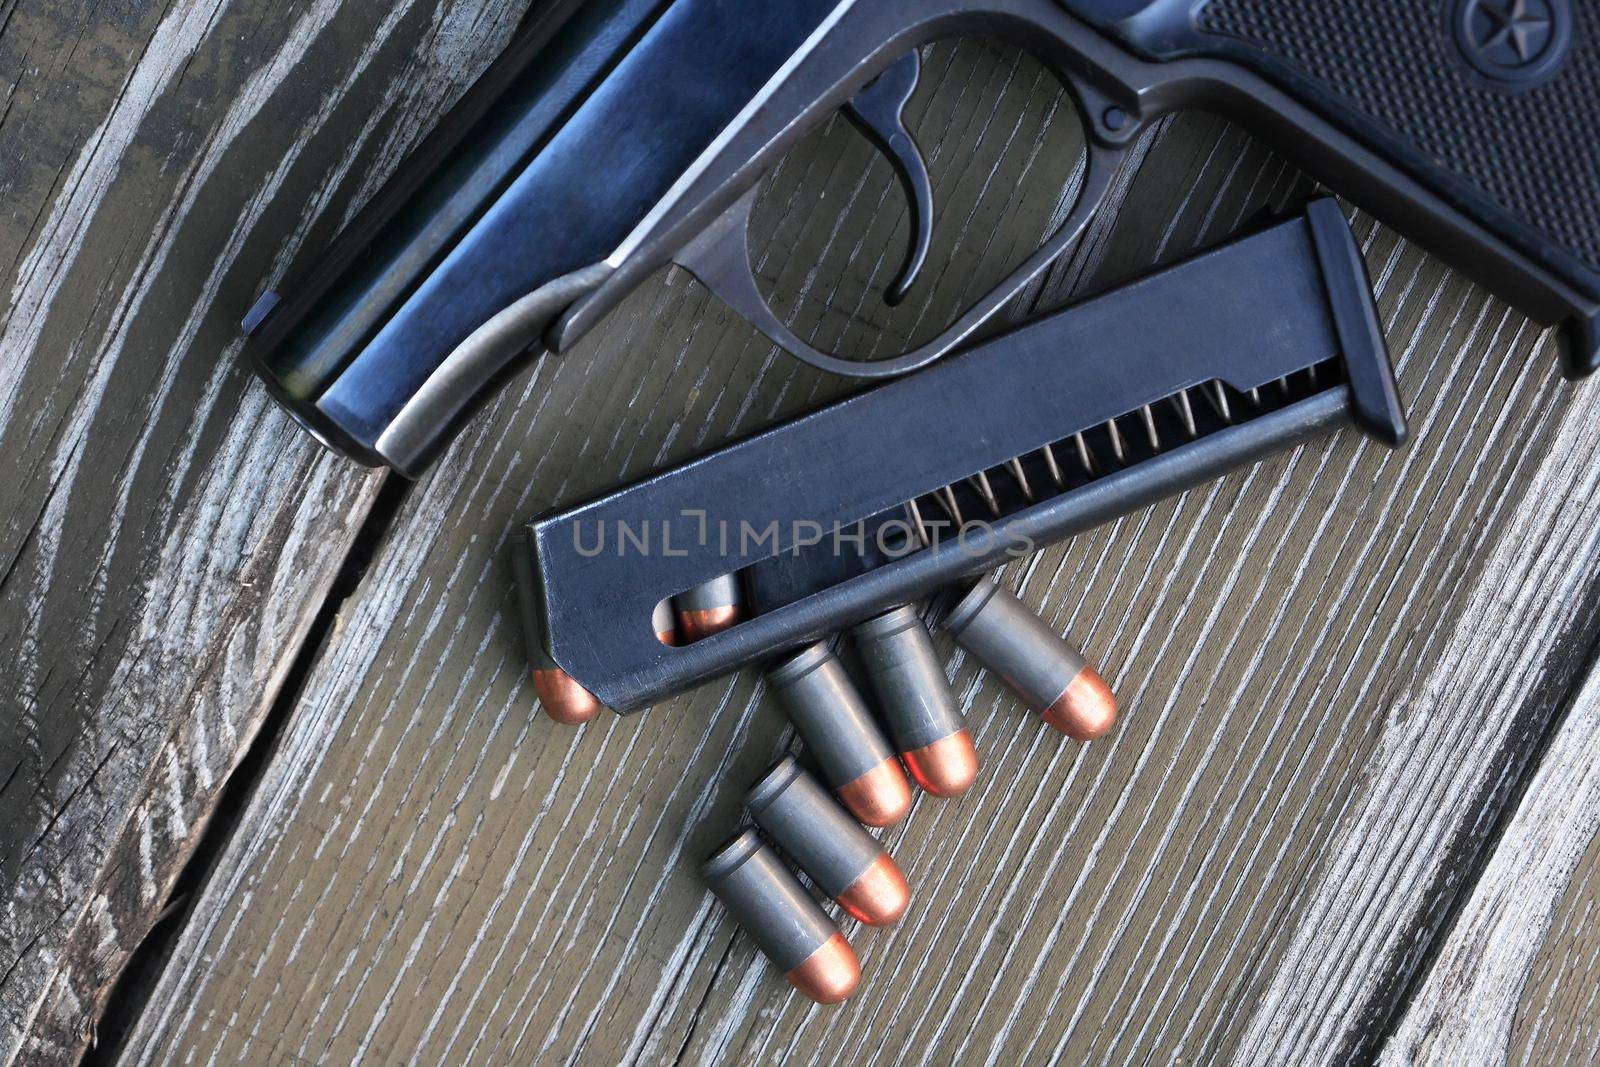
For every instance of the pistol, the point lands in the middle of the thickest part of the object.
(618, 136)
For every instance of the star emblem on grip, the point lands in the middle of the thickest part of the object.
(1513, 41)
(1511, 32)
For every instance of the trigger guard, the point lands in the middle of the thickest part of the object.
(720, 259)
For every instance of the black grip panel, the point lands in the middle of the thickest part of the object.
(1487, 100)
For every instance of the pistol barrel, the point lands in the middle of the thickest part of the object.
(451, 278)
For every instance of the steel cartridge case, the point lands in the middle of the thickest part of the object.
(915, 701)
(1033, 660)
(845, 861)
(841, 734)
(708, 608)
(769, 902)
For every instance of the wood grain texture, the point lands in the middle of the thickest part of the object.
(1558, 1019)
(166, 535)
(1325, 662)
(1516, 980)
(1459, 735)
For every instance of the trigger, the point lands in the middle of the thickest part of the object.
(878, 111)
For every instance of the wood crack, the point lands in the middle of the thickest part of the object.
(693, 1023)
(1568, 665)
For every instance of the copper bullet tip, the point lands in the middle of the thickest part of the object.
(829, 974)
(879, 897)
(880, 797)
(697, 625)
(946, 768)
(1087, 710)
(563, 699)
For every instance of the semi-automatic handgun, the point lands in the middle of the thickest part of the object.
(617, 136)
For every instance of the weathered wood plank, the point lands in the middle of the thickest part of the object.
(428, 871)
(1516, 980)
(594, 418)
(166, 535)
(1461, 727)
(1557, 1020)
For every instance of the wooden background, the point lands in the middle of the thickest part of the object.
(273, 786)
